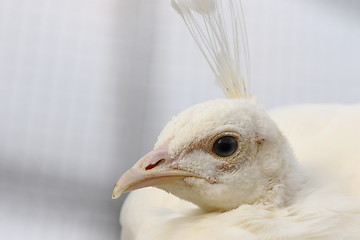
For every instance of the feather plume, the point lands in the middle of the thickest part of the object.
(218, 27)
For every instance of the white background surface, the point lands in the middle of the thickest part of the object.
(87, 85)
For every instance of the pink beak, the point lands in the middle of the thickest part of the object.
(153, 169)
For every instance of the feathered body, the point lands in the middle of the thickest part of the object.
(224, 170)
(151, 214)
(326, 140)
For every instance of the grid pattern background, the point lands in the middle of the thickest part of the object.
(86, 86)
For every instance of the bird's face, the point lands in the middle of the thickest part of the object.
(218, 155)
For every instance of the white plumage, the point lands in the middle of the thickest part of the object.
(326, 141)
(226, 169)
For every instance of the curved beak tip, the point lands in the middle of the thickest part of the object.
(116, 193)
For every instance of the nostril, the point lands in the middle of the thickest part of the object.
(151, 166)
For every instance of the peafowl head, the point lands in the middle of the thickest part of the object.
(219, 155)
(222, 153)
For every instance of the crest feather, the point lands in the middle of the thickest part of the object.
(218, 28)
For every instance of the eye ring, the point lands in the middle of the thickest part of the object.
(225, 146)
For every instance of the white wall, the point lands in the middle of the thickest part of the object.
(86, 86)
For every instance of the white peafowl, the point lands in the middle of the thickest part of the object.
(225, 169)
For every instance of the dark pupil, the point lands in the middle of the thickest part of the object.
(225, 146)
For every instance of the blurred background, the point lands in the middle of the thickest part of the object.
(87, 85)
